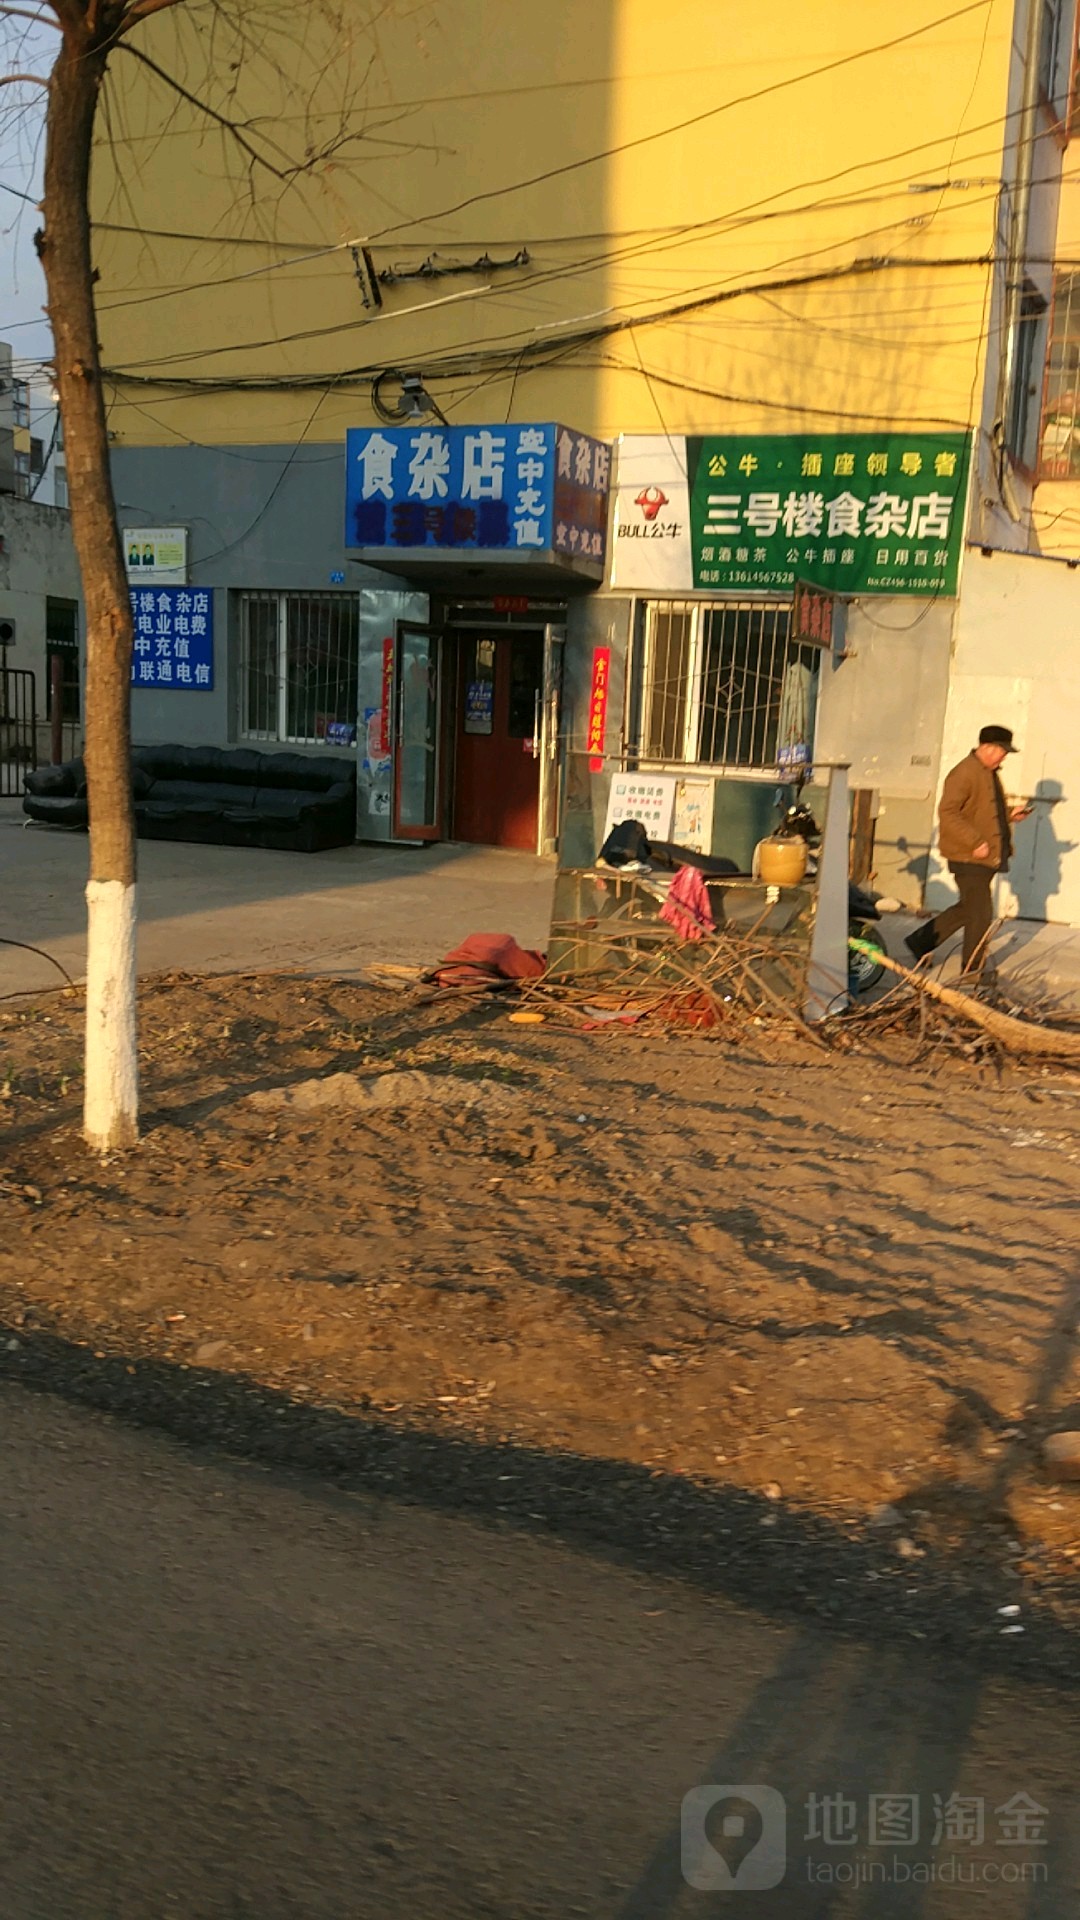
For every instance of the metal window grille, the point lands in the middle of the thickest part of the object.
(298, 664)
(1059, 443)
(725, 684)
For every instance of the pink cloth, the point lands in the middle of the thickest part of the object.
(687, 906)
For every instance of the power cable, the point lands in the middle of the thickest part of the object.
(488, 355)
(851, 240)
(694, 120)
(205, 558)
(42, 955)
(625, 146)
(530, 287)
(674, 234)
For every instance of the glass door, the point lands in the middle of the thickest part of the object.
(418, 772)
(548, 746)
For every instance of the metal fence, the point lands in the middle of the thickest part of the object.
(298, 664)
(724, 684)
(18, 728)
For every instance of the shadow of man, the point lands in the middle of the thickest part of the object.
(1035, 875)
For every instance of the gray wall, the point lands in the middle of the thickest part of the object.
(37, 562)
(258, 517)
(882, 708)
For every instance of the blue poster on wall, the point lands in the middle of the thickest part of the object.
(497, 490)
(174, 638)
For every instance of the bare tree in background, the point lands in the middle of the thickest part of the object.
(90, 33)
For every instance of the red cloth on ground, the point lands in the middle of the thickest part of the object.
(485, 954)
(687, 906)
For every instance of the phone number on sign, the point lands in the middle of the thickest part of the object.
(744, 577)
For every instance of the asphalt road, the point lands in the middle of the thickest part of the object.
(229, 1692)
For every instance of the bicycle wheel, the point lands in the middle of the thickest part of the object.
(863, 971)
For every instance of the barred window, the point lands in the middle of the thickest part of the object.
(298, 664)
(1059, 446)
(724, 684)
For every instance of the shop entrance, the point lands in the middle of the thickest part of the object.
(475, 730)
(499, 725)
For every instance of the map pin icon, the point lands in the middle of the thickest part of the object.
(734, 1829)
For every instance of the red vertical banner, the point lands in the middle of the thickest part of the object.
(598, 699)
(387, 694)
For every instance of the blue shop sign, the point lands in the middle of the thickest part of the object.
(496, 490)
(174, 638)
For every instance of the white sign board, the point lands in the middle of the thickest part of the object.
(650, 544)
(648, 797)
(156, 555)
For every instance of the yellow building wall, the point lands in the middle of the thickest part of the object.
(648, 157)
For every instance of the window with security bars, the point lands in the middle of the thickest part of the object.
(725, 685)
(298, 664)
(1059, 445)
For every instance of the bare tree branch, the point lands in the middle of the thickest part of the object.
(141, 10)
(24, 13)
(23, 79)
(211, 113)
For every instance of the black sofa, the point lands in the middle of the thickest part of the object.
(221, 796)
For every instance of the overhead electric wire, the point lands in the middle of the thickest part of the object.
(430, 218)
(670, 236)
(510, 346)
(694, 120)
(709, 288)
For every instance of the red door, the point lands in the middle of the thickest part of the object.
(497, 760)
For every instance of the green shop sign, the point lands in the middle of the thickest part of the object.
(854, 513)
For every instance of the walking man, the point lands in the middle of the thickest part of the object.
(976, 841)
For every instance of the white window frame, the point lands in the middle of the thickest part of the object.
(248, 598)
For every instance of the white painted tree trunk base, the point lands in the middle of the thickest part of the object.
(111, 1105)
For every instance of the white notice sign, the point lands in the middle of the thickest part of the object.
(156, 555)
(648, 797)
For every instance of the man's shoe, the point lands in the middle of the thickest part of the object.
(920, 944)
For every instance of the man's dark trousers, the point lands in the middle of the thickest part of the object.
(974, 911)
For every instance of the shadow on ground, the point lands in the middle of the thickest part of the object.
(724, 1540)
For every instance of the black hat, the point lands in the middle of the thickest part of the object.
(997, 737)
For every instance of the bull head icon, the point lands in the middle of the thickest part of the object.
(650, 500)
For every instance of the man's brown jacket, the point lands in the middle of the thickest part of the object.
(972, 811)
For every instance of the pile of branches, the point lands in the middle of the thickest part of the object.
(629, 972)
(978, 1025)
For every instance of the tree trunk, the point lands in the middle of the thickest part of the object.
(110, 1116)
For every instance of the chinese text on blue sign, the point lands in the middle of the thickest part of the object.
(512, 489)
(174, 638)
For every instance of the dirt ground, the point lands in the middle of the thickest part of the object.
(833, 1280)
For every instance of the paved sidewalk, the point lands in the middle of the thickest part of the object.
(213, 909)
(1034, 961)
